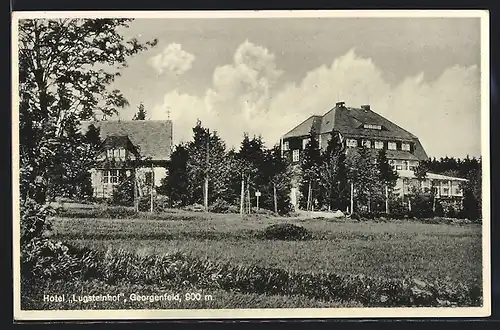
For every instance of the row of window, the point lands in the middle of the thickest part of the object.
(354, 143)
(116, 176)
(117, 154)
(112, 176)
(377, 144)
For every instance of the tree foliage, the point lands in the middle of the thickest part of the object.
(333, 174)
(141, 113)
(363, 173)
(176, 184)
(65, 68)
(310, 171)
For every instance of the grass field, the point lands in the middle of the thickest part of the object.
(316, 272)
(387, 249)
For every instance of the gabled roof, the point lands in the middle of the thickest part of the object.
(152, 138)
(304, 128)
(350, 121)
(119, 141)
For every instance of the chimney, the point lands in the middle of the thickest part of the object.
(365, 107)
(340, 104)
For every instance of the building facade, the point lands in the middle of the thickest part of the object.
(364, 127)
(134, 149)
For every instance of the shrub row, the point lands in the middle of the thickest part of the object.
(46, 260)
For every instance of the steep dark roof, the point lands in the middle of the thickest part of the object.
(304, 128)
(152, 138)
(119, 141)
(349, 121)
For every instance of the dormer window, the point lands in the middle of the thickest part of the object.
(116, 154)
(379, 145)
(366, 143)
(391, 145)
(372, 126)
(405, 146)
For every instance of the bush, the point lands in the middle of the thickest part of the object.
(194, 208)
(51, 261)
(286, 231)
(34, 219)
(123, 195)
(221, 206)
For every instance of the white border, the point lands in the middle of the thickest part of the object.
(484, 311)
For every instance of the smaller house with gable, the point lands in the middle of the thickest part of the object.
(131, 149)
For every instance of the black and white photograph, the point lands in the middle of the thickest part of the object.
(250, 164)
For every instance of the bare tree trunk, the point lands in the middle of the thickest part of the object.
(275, 199)
(386, 200)
(309, 197)
(242, 197)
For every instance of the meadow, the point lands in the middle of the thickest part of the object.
(395, 249)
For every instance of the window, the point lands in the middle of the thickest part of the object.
(371, 126)
(399, 167)
(413, 168)
(379, 145)
(391, 145)
(446, 191)
(405, 165)
(304, 143)
(296, 155)
(286, 145)
(405, 146)
(111, 176)
(109, 153)
(122, 154)
(352, 143)
(105, 176)
(116, 154)
(458, 191)
(367, 143)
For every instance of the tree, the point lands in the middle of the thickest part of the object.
(387, 175)
(176, 184)
(252, 158)
(65, 68)
(333, 173)
(278, 176)
(216, 165)
(362, 172)
(141, 113)
(310, 168)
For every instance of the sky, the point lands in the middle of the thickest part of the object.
(264, 76)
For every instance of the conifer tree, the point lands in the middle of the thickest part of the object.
(141, 113)
(310, 169)
(334, 174)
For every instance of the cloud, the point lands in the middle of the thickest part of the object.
(444, 113)
(173, 59)
(246, 96)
